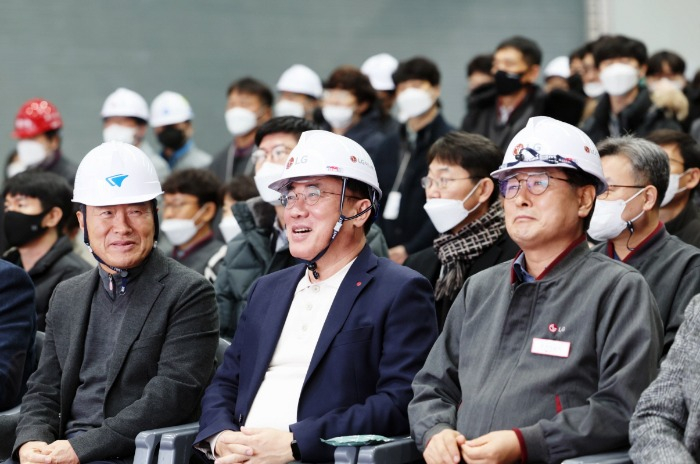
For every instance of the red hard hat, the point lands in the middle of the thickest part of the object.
(35, 117)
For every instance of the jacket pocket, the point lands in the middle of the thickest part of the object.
(358, 335)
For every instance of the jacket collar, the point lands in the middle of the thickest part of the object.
(567, 259)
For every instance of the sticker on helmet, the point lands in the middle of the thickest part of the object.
(116, 180)
(353, 158)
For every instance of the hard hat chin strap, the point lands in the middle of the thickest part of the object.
(311, 264)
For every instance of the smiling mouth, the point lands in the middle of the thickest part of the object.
(301, 230)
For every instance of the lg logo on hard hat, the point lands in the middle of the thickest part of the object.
(116, 180)
(294, 162)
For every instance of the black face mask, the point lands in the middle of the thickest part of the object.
(22, 228)
(576, 84)
(171, 137)
(508, 83)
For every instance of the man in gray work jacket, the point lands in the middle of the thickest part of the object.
(130, 345)
(543, 358)
(626, 220)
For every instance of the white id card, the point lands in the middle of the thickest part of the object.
(393, 202)
(550, 347)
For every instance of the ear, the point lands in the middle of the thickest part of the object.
(362, 107)
(586, 200)
(485, 190)
(79, 215)
(360, 205)
(650, 196)
(52, 218)
(532, 73)
(693, 178)
(208, 213)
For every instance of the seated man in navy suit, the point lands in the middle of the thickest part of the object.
(328, 347)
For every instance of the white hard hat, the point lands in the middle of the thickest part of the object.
(125, 102)
(170, 108)
(323, 153)
(547, 143)
(115, 173)
(558, 67)
(379, 69)
(300, 79)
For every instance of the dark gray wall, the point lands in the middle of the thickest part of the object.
(75, 52)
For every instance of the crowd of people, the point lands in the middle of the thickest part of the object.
(518, 289)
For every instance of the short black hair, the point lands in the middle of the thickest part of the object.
(252, 86)
(480, 63)
(473, 152)
(51, 189)
(417, 68)
(619, 46)
(687, 145)
(656, 62)
(201, 183)
(240, 188)
(532, 53)
(285, 124)
(351, 79)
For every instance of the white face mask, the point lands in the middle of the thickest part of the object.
(673, 183)
(240, 121)
(445, 213)
(619, 78)
(229, 228)
(607, 222)
(289, 108)
(267, 174)
(30, 152)
(180, 231)
(413, 102)
(339, 117)
(593, 89)
(119, 133)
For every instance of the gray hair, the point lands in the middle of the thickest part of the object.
(649, 162)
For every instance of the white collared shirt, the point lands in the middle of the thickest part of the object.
(277, 399)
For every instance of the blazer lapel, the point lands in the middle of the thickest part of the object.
(142, 303)
(353, 284)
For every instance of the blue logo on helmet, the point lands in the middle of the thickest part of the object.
(116, 180)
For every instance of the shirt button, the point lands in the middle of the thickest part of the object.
(316, 289)
(304, 328)
(309, 307)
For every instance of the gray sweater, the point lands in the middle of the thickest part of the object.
(665, 428)
(481, 375)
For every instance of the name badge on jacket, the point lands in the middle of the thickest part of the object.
(547, 347)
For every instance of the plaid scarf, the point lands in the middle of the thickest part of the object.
(457, 251)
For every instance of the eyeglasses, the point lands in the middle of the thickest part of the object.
(310, 197)
(277, 154)
(442, 183)
(604, 195)
(536, 183)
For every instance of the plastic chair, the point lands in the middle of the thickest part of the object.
(169, 442)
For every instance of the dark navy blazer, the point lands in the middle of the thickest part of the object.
(377, 335)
